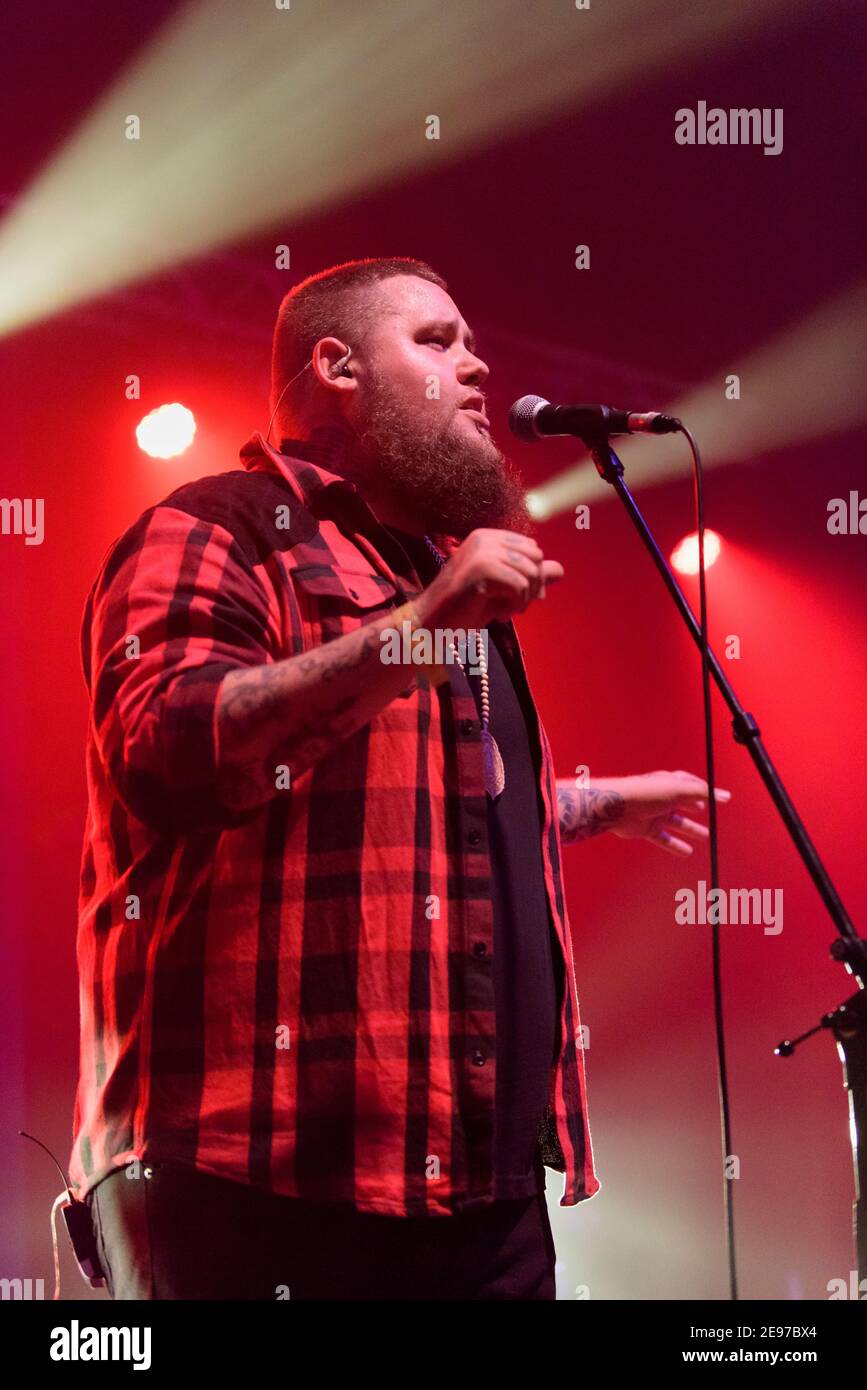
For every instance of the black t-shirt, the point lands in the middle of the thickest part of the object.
(528, 975)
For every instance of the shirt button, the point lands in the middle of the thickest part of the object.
(480, 949)
(467, 726)
(474, 837)
(479, 1059)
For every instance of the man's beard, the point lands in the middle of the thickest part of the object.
(452, 480)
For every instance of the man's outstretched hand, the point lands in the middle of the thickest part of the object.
(655, 806)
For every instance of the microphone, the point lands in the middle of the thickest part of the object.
(532, 418)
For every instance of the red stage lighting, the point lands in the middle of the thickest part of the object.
(167, 431)
(684, 557)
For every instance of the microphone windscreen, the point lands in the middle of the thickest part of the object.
(522, 417)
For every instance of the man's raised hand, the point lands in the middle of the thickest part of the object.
(492, 574)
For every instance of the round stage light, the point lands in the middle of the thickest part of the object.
(167, 431)
(684, 557)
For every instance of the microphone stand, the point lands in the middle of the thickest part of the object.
(847, 1022)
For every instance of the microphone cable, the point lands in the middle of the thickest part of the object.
(714, 911)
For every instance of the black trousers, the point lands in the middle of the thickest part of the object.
(179, 1234)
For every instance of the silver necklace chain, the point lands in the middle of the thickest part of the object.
(495, 777)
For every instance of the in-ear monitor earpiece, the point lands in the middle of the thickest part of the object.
(339, 367)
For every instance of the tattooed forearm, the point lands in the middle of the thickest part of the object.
(289, 713)
(586, 811)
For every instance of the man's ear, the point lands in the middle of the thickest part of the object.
(329, 360)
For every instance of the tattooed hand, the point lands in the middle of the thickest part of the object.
(648, 806)
(585, 811)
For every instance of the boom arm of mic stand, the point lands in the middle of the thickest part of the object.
(746, 731)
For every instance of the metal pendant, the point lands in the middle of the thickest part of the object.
(495, 775)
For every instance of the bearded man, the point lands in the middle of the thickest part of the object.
(330, 1032)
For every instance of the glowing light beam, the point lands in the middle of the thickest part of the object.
(807, 382)
(252, 116)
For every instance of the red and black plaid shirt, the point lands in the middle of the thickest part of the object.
(290, 996)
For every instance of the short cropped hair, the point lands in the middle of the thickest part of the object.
(339, 302)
